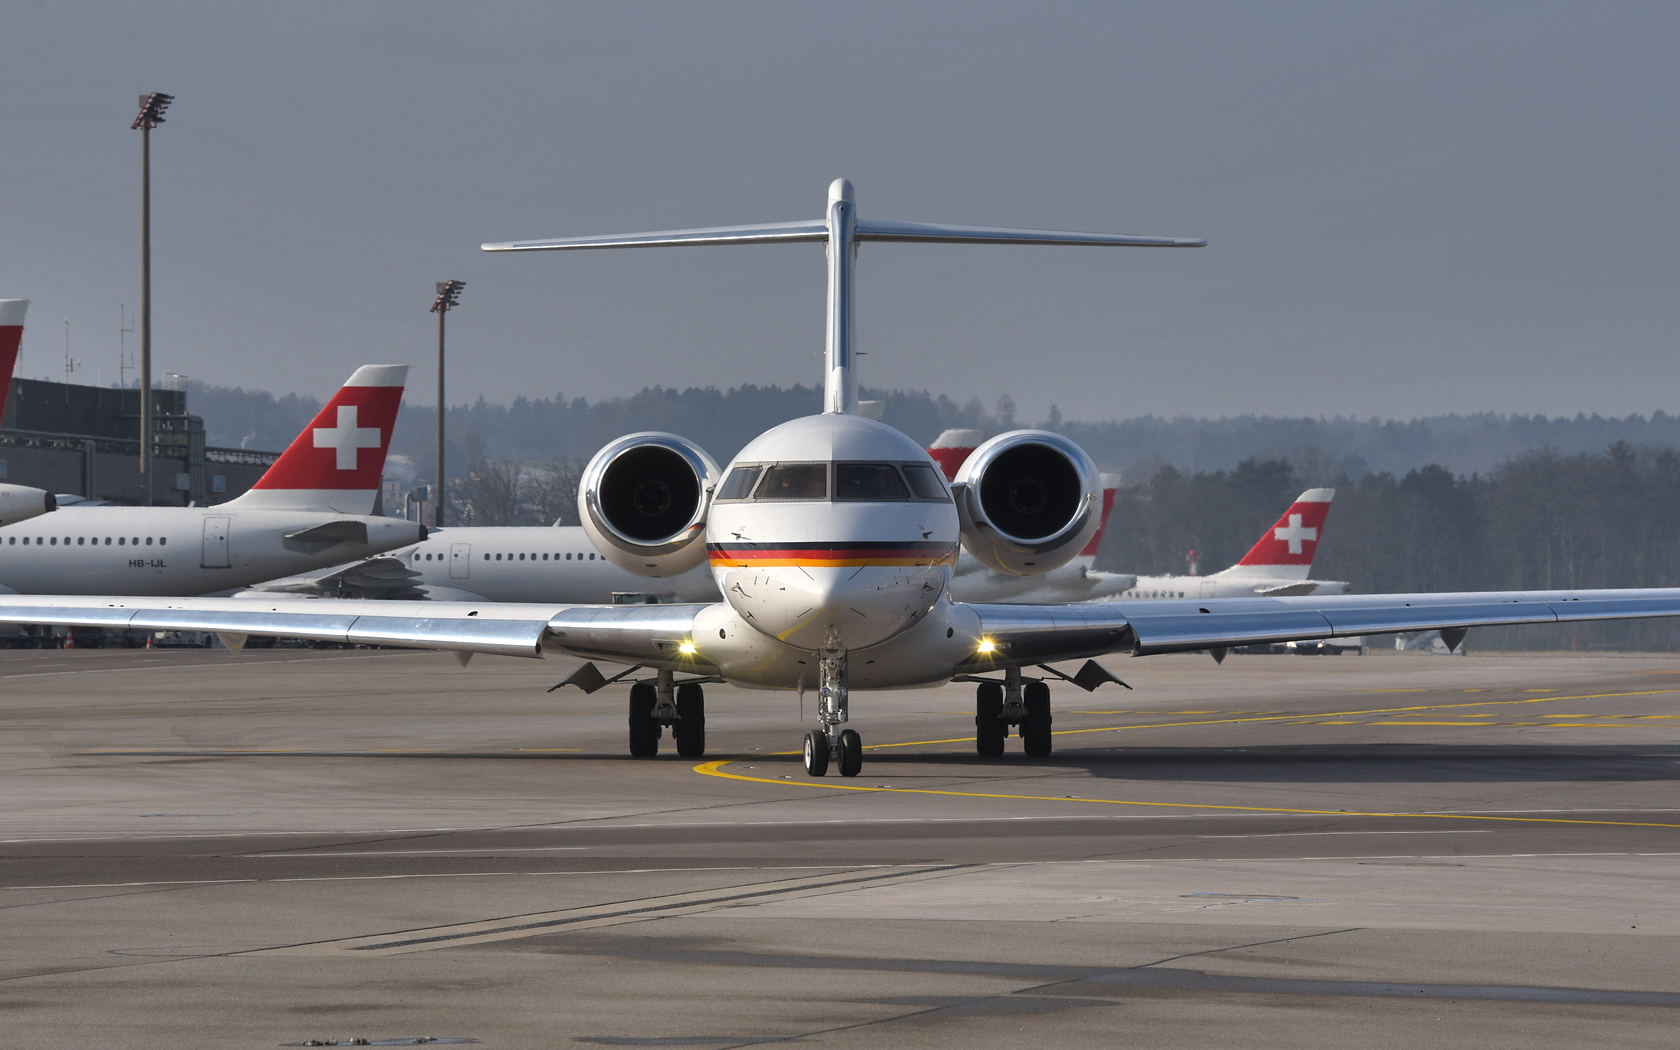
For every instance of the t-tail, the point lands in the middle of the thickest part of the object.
(1285, 551)
(842, 231)
(336, 463)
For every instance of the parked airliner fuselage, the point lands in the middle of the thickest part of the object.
(176, 551)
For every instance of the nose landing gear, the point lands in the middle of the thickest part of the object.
(844, 746)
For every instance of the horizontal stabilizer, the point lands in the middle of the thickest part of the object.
(327, 534)
(785, 232)
(942, 234)
(762, 233)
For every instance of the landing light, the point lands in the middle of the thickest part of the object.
(986, 646)
(686, 648)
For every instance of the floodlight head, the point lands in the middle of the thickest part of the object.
(151, 110)
(448, 296)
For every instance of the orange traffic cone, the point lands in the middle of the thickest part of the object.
(148, 639)
(69, 641)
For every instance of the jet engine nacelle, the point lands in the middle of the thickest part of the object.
(20, 503)
(643, 502)
(1029, 500)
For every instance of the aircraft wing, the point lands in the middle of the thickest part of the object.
(469, 627)
(1019, 635)
(650, 635)
(1029, 634)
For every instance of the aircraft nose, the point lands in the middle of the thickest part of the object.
(863, 605)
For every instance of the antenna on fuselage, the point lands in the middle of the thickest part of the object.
(842, 232)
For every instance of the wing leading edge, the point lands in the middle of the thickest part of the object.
(1025, 634)
(654, 635)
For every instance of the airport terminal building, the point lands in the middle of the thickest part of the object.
(80, 440)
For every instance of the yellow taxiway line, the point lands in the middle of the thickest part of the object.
(715, 768)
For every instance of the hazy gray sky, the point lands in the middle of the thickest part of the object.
(1413, 208)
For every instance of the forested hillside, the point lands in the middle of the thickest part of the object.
(1539, 520)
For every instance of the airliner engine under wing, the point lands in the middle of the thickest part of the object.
(312, 508)
(832, 539)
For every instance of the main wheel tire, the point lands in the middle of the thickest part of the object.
(816, 753)
(1035, 731)
(989, 727)
(690, 729)
(644, 731)
(851, 753)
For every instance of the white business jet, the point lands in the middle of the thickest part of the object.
(312, 508)
(832, 539)
(17, 502)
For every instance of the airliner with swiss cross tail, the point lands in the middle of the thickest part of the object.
(312, 508)
(832, 540)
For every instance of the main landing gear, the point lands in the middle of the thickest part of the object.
(843, 746)
(654, 705)
(1012, 702)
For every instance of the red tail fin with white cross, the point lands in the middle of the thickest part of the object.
(952, 448)
(1285, 551)
(11, 338)
(336, 463)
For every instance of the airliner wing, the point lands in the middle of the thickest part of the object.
(1028, 634)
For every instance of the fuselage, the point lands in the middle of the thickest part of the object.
(1227, 584)
(178, 551)
(845, 538)
(536, 564)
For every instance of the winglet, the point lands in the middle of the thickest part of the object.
(336, 463)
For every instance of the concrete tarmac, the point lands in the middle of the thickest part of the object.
(205, 849)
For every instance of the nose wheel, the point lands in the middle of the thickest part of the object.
(843, 746)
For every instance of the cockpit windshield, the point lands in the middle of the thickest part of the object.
(808, 481)
(853, 482)
(869, 482)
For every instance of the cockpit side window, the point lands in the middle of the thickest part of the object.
(740, 482)
(790, 481)
(924, 481)
(869, 482)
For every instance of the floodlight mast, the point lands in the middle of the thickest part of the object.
(843, 232)
(448, 297)
(152, 107)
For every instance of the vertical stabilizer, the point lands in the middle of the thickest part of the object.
(1285, 551)
(842, 231)
(952, 448)
(1110, 489)
(336, 463)
(11, 339)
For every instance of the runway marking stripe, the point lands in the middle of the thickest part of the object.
(715, 768)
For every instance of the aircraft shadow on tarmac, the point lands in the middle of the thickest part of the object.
(1267, 764)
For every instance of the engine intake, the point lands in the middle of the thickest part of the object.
(643, 502)
(1030, 500)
